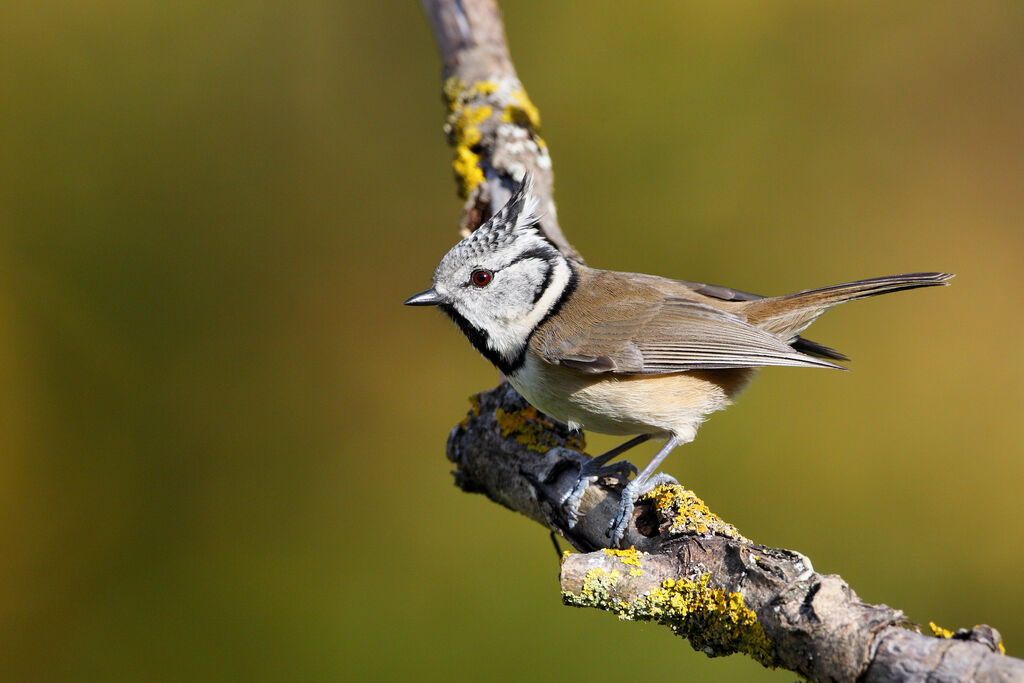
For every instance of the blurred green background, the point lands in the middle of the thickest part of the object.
(223, 437)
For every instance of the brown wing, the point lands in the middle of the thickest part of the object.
(798, 343)
(617, 323)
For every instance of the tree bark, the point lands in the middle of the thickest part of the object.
(687, 569)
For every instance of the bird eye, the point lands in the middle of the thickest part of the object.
(481, 277)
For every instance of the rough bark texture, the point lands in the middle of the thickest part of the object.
(689, 569)
(697, 574)
(492, 124)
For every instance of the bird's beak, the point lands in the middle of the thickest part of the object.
(428, 297)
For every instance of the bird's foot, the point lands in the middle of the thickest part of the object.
(590, 472)
(630, 494)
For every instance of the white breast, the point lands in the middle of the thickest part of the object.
(630, 404)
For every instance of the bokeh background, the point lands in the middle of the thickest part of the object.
(222, 437)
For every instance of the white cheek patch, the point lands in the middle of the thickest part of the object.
(508, 339)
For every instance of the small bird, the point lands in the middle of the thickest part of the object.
(622, 353)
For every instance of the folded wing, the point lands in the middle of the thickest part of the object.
(658, 335)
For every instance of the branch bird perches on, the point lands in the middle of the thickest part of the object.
(689, 569)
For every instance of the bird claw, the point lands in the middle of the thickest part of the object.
(590, 472)
(617, 527)
(633, 491)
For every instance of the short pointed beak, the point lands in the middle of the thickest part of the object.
(428, 297)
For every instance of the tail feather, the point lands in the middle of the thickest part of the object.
(787, 315)
(813, 348)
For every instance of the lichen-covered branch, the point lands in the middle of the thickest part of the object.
(492, 125)
(695, 573)
(687, 569)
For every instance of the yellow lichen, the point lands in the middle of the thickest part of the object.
(689, 513)
(629, 557)
(467, 168)
(516, 421)
(474, 401)
(465, 134)
(485, 87)
(451, 88)
(715, 621)
(465, 127)
(471, 105)
(521, 111)
(940, 632)
(531, 430)
(462, 127)
(597, 585)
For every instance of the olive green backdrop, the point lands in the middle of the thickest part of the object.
(223, 436)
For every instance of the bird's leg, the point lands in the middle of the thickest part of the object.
(637, 487)
(592, 470)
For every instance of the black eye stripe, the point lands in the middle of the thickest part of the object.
(548, 256)
(542, 253)
(549, 273)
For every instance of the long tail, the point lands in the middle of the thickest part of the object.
(787, 315)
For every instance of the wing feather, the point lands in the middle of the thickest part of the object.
(646, 332)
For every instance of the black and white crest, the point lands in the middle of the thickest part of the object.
(520, 212)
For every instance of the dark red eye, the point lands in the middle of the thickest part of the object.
(481, 278)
